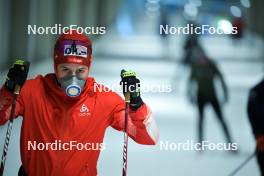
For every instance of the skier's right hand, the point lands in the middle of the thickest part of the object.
(17, 75)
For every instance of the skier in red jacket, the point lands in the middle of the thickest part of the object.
(64, 109)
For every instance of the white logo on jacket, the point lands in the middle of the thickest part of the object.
(84, 111)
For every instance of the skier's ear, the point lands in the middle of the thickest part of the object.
(88, 71)
(55, 69)
(56, 72)
(89, 68)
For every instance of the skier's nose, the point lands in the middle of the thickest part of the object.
(73, 73)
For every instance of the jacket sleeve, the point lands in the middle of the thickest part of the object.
(6, 105)
(142, 127)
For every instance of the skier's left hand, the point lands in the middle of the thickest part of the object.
(131, 84)
(260, 143)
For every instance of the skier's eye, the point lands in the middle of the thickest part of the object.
(64, 69)
(80, 70)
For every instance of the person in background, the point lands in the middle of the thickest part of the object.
(255, 111)
(201, 91)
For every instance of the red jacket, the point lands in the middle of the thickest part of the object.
(50, 116)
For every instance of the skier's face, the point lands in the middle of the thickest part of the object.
(69, 69)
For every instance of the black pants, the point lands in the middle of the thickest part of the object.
(202, 101)
(22, 171)
(260, 157)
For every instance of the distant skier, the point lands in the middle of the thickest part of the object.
(202, 92)
(256, 118)
(192, 48)
(64, 107)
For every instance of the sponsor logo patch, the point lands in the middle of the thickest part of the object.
(84, 111)
(75, 50)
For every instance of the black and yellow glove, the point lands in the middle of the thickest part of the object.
(17, 75)
(131, 84)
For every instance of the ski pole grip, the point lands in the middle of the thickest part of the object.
(127, 97)
(17, 90)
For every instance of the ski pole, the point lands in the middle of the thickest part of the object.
(242, 164)
(16, 92)
(127, 100)
(9, 130)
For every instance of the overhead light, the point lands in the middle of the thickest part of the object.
(152, 7)
(190, 9)
(153, 1)
(235, 11)
(197, 3)
(225, 26)
(245, 3)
